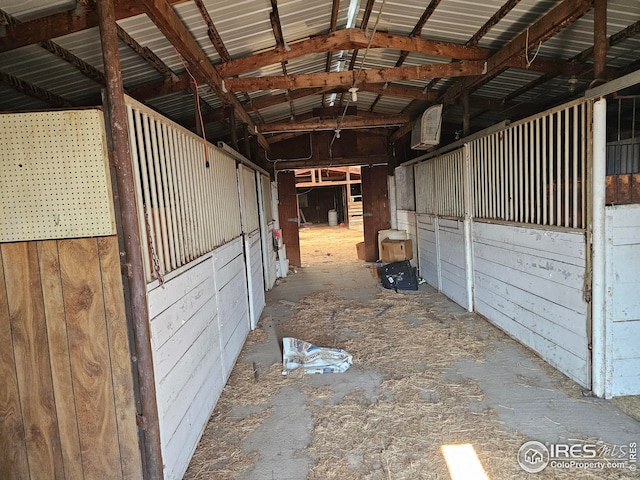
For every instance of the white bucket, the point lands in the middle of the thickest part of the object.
(333, 218)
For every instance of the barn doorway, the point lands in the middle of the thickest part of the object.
(330, 214)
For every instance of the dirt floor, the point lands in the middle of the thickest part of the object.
(326, 245)
(433, 389)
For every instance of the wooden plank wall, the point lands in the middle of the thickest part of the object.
(67, 396)
(271, 255)
(428, 248)
(451, 254)
(199, 321)
(623, 301)
(407, 222)
(233, 304)
(376, 211)
(529, 282)
(254, 267)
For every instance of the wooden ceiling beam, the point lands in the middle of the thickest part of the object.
(332, 124)
(64, 23)
(212, 32)
(349, 39)
(332, 162)
(146, 54)
(548, 25)
(347, 78)
(163, 15)
(34, 91)
(495, 18)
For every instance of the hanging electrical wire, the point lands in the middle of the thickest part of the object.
(354, 86)
(195, 83)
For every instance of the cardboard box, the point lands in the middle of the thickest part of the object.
(360, 250)
(396, 250)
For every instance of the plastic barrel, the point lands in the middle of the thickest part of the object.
(333, 218)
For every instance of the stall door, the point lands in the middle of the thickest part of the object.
(252, 241)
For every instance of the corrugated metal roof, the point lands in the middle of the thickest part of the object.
(245, 29)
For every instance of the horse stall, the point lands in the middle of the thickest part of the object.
(505, 223)
(71, 373)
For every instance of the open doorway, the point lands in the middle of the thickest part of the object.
(330, 213)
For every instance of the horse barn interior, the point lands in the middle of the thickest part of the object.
(162, 160)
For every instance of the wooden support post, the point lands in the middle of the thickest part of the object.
(375, 208)
(129, 229)
(599, 39)
(288, 215)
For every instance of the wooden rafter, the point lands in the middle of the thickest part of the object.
(212, 32)
(146, 54)
(551, 23)
(332, 124)
(170, 25)
(415, 32)
(64, 23)
(276, 26)
(349, 39)
(83, 67)
(34, 91)
(495, 18)
(335, 8)
(628, 32)
(248, 84)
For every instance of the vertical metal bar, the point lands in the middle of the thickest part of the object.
(574, 176)
(532, 173)
(165, 179)
(146, 196)
(538, 204)
(175, 195)
(493, 186)
(484, 158)
(551, 164)
(181, 197)
(558, 164)
(475, 175)
(163, 243)
(171, 199)
(133, 248)
(567, 133)
(586, 141)
(185, 191)
(502, 178)
(510, 172)
(525, 143)
(516, 153)
(152, 208)
(547, 206)
(138, 192)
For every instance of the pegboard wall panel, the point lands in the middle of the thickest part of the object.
(54, 176)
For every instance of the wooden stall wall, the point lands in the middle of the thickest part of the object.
(251, 231)
(428, 260)
(623, 300)
(529, 282)
(406, 221)
(67, 393)
(501, 229)
(199, 321)
(376, 209)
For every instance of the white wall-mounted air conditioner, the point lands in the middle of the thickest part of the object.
(426, 128)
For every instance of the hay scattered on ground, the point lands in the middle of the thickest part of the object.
(409, 341)
(324, 244)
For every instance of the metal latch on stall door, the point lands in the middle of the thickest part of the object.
(295, 219)
(367, 214)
